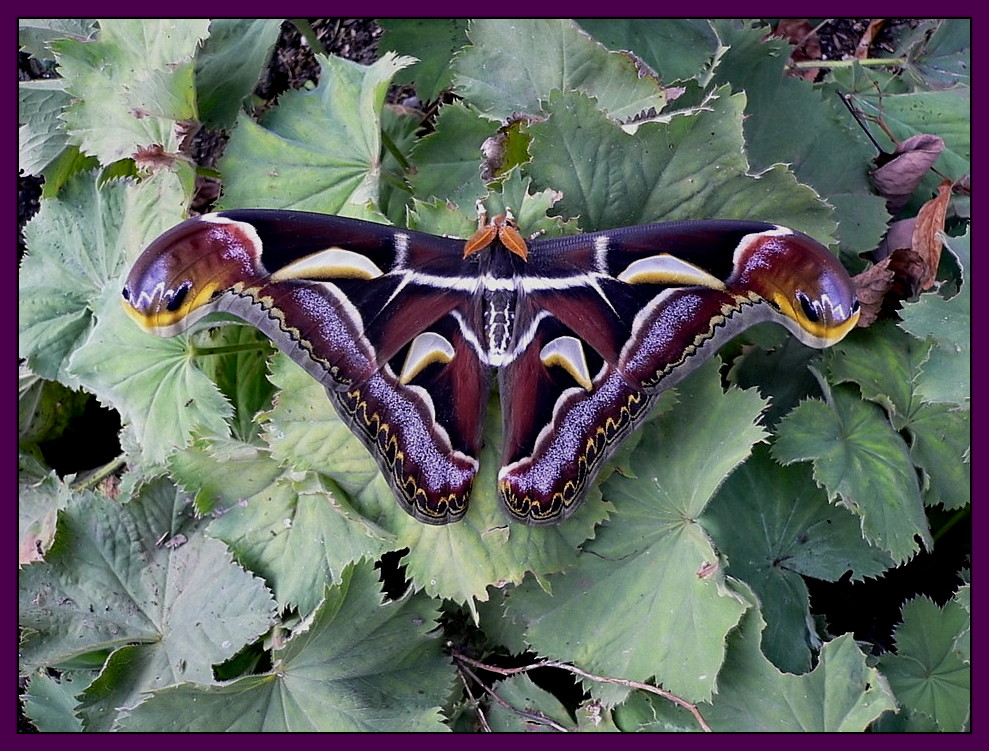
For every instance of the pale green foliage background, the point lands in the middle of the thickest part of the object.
(229, 584)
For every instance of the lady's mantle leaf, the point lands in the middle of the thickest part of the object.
(859, 458)
(153, 382)
(356, 665)
(133, 84)
(929, 673)
(320, 150)
(229, 65)
(514, 63)
(77, 244)
(693, 167)
(841, 694)
(139, 573)
(775, 527)
(457, 561)
(297, 532)
(947, 374)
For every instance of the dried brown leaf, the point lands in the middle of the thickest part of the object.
(899, 236)
(807, 45)
(871, 287)
(909, 270)
(898, 177)
(153, 157)
(926, 234)
(862, 49)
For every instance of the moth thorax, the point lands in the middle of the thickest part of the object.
(499, 315)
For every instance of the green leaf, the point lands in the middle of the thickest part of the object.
(928, 674)
(50, 703)
(293, 531)
(447, 160)
(239, 367)
(355, 665)
(639, 576)
(133, 85)
(303, 431)
(40, 496)
(78, 243)
(319, 150)
(947, 375)
(676, 48)
(693, 167)
(789, 120)
(514, 64)
(775, 527)
(139, 573)
(153, 382)
(41, 133)
(229, 65)
(34, 34)
(942, 56)
(535, 710)
(941, 446)
(889, 366)
(123, 676)
(841, 694)
(779, 366)
(433, 41)
(859, 458)
(885, 363)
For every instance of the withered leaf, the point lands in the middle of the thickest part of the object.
(901, 172)
(926, 241)
(871, 287)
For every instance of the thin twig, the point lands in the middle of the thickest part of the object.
(474, 702)
(532, 716)
(669, 696)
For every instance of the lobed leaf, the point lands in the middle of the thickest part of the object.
(693, 167)
(79, 244)
(447, 159)
(229, 65)
(946, 376)
(676, 48)
(133, 85)
(109, 580)
(296, 533)
(775, 528)
(512, 64)
(154, 383)
(320, 150)
(789, 120)
(928, 674)
(356, 665)
(457, 561)
(859, 458)
(433, 41)
(40, 134)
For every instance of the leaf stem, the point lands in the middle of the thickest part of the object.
(227, 349)
(97, 477)
(955, 518)
(876, 61)
(692, 708)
